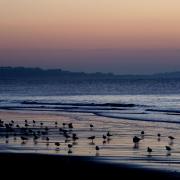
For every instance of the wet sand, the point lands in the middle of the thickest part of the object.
(73, 167)
(116, 158)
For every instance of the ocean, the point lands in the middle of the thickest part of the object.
(140, 99)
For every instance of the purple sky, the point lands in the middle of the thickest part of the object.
(92, 60)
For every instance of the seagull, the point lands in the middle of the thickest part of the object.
(69, 146)
(92, 138)
(64, 124)
(136, 139)
(66, 136)
(97, 148)
(104, 136)
(56, 123)
(74, 137)
(17, 126)
(168, 148)
(24, 139)
(91, 126)
(142, 134)
(26, 125)
(57, 144)
(109, 134)
(70, 125)
(149, 150)
(171, 138)
(69, 151)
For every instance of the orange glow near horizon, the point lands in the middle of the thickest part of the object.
(89, 24)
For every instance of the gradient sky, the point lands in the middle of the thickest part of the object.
(121, 36)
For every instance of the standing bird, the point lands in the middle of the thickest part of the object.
(69, 146)
(104, 137)
(97, 148)
(136, 141)
(57, 144)
(12, 121)
(149, 150)
(171, 138)
(17, 126)
(109, 135)
(142, 134)
(91, 126)
(64, 124)
(159, 136)
(168, 149)
(92, 138)
(56, 123)
(34, 123)
(74, 137)
(70, 125)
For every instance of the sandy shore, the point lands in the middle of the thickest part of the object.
(72, 167)
(124, 161)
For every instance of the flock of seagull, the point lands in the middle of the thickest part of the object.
(36, 130)
(136, 141)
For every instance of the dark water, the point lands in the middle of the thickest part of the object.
(81, 86)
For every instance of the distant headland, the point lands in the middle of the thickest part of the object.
(59, 73)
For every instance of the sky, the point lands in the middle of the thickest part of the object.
(120, 36)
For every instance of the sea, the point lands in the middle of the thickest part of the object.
(139, 99)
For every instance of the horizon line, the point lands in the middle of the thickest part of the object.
(71, 71)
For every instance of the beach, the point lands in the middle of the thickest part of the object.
(117, 154)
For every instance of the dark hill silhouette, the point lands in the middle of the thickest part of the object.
(23, 72)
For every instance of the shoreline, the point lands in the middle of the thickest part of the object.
(81, 165)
